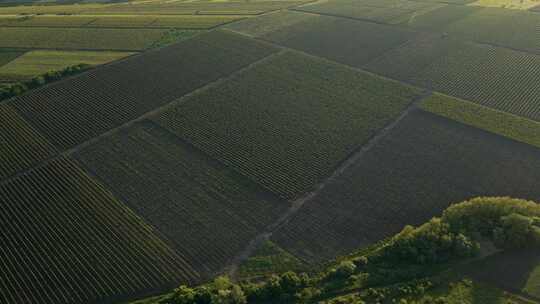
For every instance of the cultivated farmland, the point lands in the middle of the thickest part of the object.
(208, 211)
(34, 63)
(7, 55)
(288, 122)
(410, 175)
(439, 19)
(502, 123)
(479, 73)
(21, 146)
(79, 38)
(65, 239)
(69, 113)
(358, 41)
(269, 23)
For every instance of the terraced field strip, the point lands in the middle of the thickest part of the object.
(408, 176)
(118, 21)
(71, 112)
(296, 119)
(207, 210)
(79, 38)
(66, 239)
(359, 42)
(35, 63)
(502, 123)
(20, 145)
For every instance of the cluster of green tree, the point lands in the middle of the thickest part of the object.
(18, 88)
(404, 264)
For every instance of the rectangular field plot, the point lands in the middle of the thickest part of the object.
(420, 167)
(509, 28)
(268, 23)
(439, 19)
(346, 41)
(35, 63)
(73, 111)
(288, 122)
(502, 123)
(499, 78)
(389, 12)
(7, 55)
(20, 145)
(65, 239)
(209, 212)
(79, 38)
(46, 21)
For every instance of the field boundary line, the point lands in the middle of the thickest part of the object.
(350, 160)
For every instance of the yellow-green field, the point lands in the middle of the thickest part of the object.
(510, 4)
(41, 61)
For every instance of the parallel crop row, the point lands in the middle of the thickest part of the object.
(288, 122)
(20, 145)
(71, 112)
(505, 124)
(346, 41)
(412, 174)
(79, 38)
(208, 211)
(65, 239)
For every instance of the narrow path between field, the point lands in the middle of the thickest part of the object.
(259, 240)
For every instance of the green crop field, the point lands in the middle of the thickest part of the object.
(79, 38)
(34, 63)
(21, 145)
(439, 19)
(358, 41)
(46, 20)
(269, 259)
(478, 116)
(496, 77)
(208, 211)
(288, 122)
(423, 164)
(69, 113)
(269, 23)
(66, 239)
(7, 55)
(389, 12)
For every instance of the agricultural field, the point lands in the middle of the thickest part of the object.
(410, 175)
(35, 63)
(358, 41)
(288, 122)
(502, 123)
(508, 4)
(71, 112)
(7, 55)
(266, 24)
(21, 145)
(118, 21)
(205, 209)
(388, 12)
(79, 38)
(66, 239)
(269, 259)
(437, 20)
(479, 73)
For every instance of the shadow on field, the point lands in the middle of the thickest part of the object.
(511, 271)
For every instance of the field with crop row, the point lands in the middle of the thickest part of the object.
(288, 122)
(35, 63)
(269, 23)
(71, 112)
(65, 239)
(410, 175)
(21, 146)
(389, 12)
(7, 55)
(208, 211)
(79, 38)
(496, 77)
(439, 19)
(346, 41)
(502, 123)
(118, 21)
